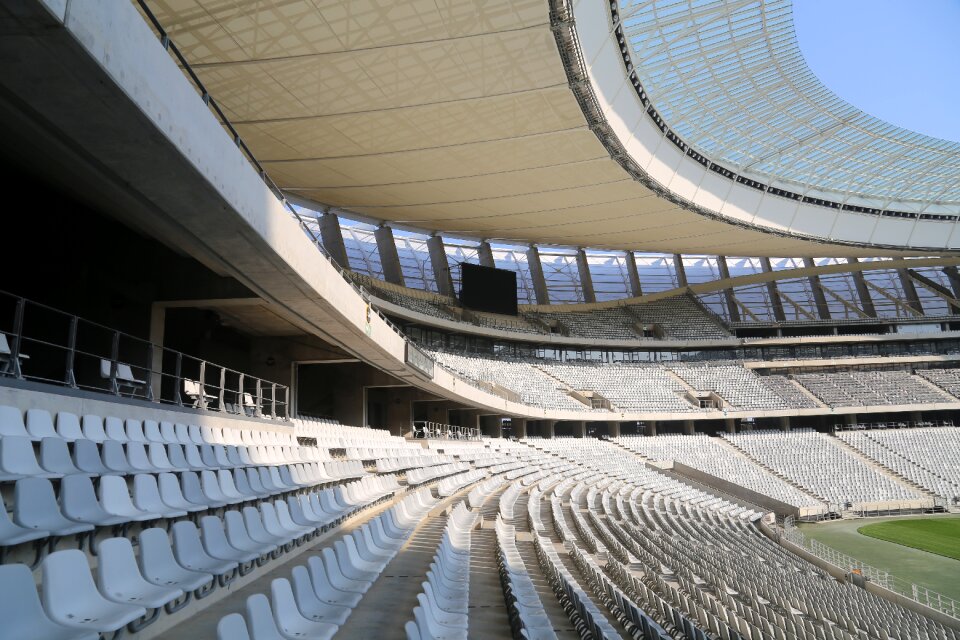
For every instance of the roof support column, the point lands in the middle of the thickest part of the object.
(632, 274)
(485, 254)
(863, 292)
(728, 296)
(910, 291)
(773, 292)
(681, 272)
(389, 258)
(823, 310)
(536, 275)
(332, 237)
(954, 277)
(586, 280)
(440, 265)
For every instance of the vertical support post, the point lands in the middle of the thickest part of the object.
(910, 291)
(863, 292)
(536, 275)
(223, 384)
(689, 427)
(389, 258)
(651, 428)
(259, 410)
(286, 403)
(440, 265)
(202, 399)
(273, 399)
(823, 309)
(519, 427)
(17, 337)
(149, 376)
(71, 378)
(332, 237)
(633, 276)
(733, 312)
(773, 292)
(114, 354)
(586, 280)
(485, 254)
(241, 396)
(681, 272)
(177, 397)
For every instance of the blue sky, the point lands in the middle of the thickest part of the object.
(898, 60)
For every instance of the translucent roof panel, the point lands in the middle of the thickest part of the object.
(730, 80)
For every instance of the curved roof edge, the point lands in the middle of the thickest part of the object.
(600, 73)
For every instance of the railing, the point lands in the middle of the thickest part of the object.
(43, 344)
(880, 577)
(424, 429)
(897, 424)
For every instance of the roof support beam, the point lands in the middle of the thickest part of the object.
(863, 292)
(389, 258)
(485, 254)
(954, 277)
(332, 237)
(823, 309)
(773, 292)
(586, 280)
(895, 299)
(732, 310)
(681, 272)
(938, 289)
(536, 275)
(441, 267)
(910, 291)
(633, 276)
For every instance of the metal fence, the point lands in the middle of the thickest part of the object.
(880, 577)
(43, 344)
(425, 429)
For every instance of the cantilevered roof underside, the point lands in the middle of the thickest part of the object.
(450, 115)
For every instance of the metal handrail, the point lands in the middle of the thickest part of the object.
(96, 357)
(427, 429)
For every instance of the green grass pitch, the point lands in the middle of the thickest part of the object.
(940, 535)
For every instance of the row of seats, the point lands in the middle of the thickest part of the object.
(524, 607)
(323, 593)
(442, 610)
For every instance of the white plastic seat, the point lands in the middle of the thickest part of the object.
(239, 537)
(71, 598)
(134, 430)
(138, 459)
(35, 507)
(193, 491)
(210, 484)
(146, 497)
(40, 424)
(253, 520)
(291, 623)
(11, 422)
(68, 426)
(177, 458)
(115, 458)
(338, 580)
(23, 615)
(18, 460)
(114, 429)
(325, 591)
(93, 428)
(312, 607)
(168, 433)
(172, 494)
(11, 534)
(159, 460)
(190, 554)
(159, 567)
(86, 457)
(232, 627)
(216, 544)
(79, 503)
(55, 457)
(120, 580)
(260, 620)
(115, 498)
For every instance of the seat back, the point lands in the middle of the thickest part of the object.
(11, 422)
